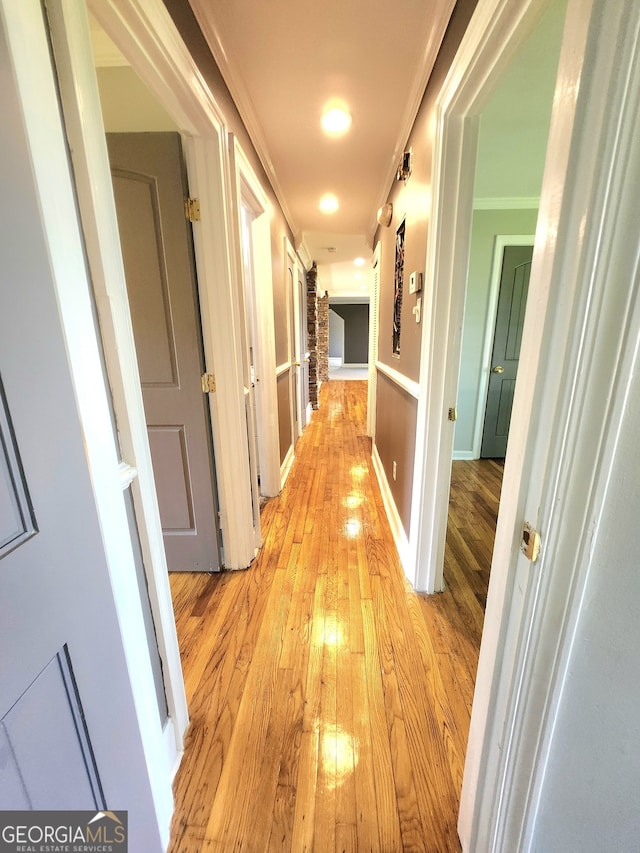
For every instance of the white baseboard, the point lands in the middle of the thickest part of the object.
(395, 522)
(286, 466)
(355, 364)
(463, 455)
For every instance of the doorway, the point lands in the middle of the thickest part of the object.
(150, 185)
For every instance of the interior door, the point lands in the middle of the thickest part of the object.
(512, 301)
(69, 735)
(149, 184)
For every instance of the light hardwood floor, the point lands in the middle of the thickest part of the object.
(329, 703)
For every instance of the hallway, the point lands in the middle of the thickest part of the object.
(329, 704)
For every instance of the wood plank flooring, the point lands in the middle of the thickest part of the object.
(329, 703)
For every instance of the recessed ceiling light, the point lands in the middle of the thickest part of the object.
(357, 275)
(329, 203)
(336, 121)
(359, 262)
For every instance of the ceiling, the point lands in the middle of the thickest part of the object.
(284, 62)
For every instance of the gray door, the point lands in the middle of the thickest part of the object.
(150, 187)
(69, 735)
(512, 301)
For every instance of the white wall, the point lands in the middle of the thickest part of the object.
(127, 105)
(591, 794)
(336, 336)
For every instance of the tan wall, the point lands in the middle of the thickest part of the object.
(396, 415)
(411, 201)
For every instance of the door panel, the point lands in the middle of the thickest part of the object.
(45, 737)
(512, 301)
(149, 188)
(64, 685)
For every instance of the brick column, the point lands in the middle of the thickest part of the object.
(312, 333)
(323, 338)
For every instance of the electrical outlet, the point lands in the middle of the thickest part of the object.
(394, 470)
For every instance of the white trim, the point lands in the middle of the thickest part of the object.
(358, 364)
(309, 411)
(501, 241)
(286, 466)
(395, 522)
(281, 369)
(335, 361)
(249, 190)
(463, 456)
(374, 319)
(409, 385)
(509, 203)
(146, 35)
(30, 56)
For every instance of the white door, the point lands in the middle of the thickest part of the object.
(69, 735)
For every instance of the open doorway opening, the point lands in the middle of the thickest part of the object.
(511, 151)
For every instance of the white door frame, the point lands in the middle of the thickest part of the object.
(296, 355)
(249, 190)
(374, 314)
(150, 41)
(30, 58)
(570, 390)
(501, 242)
(145, 33)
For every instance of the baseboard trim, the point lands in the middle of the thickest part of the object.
(286, 466)
(463, 455)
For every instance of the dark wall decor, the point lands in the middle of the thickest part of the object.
(398, 283)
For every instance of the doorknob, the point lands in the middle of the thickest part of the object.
(498, 369)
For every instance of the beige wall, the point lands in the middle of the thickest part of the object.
(397, 417)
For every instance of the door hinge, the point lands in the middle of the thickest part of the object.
(530, 544)
(208, 383)
(192, 209)
(453, 414)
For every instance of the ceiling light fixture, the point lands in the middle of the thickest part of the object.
(359, 262)
(329, 203)
(336, 121)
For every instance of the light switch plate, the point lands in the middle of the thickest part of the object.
(415, 282)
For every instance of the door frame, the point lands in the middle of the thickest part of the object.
(501, 242)
(570, 391)
(249, 190)
(374, 314)
(54, 184)
(149, 39)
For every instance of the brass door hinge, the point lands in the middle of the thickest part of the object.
(208, 383)
(453, 414)
(530, 544)
(192, 209)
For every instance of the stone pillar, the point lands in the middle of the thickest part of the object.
(312, 333)
(323, 338)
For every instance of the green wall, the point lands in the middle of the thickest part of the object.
(487, 224)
